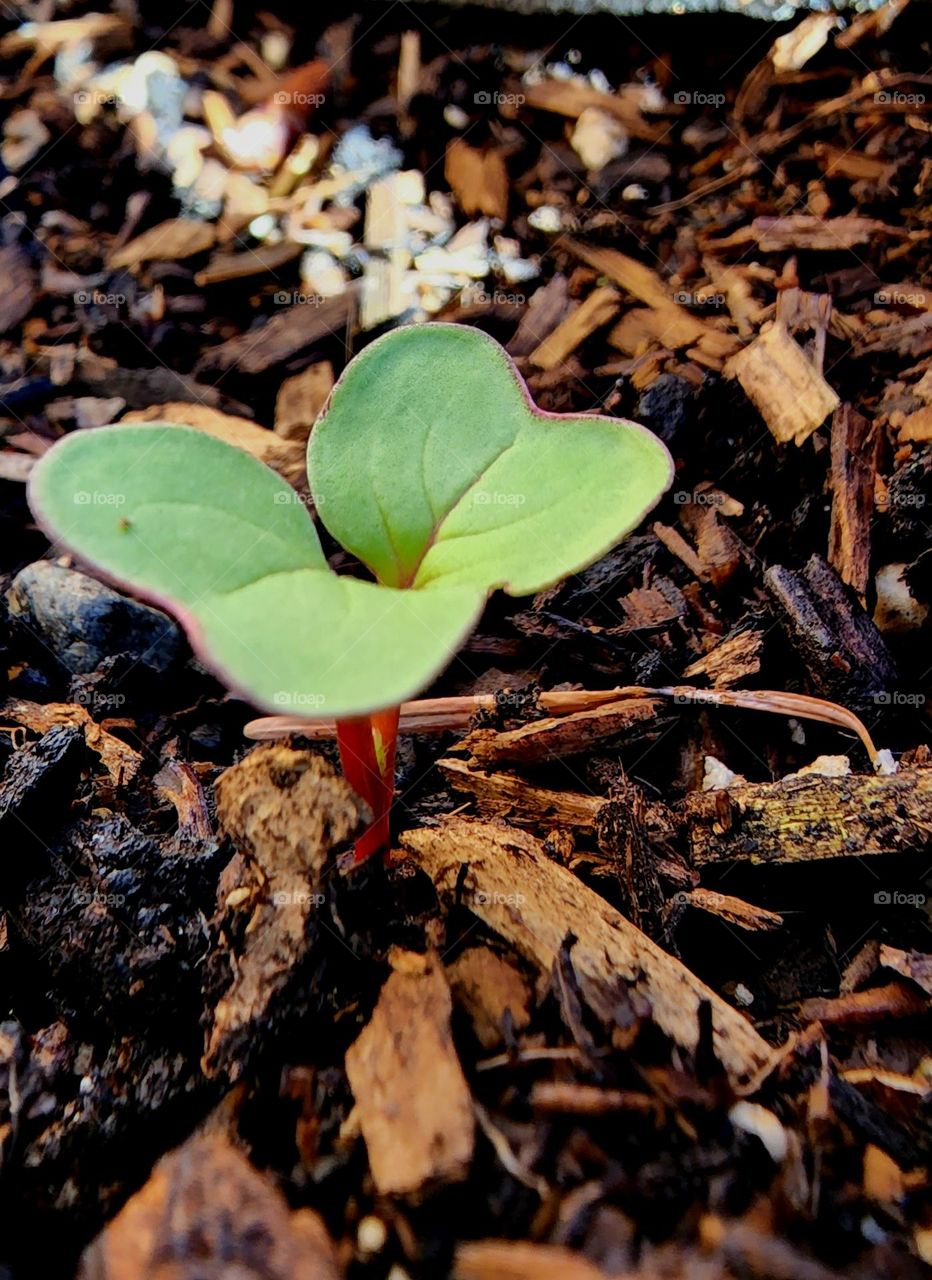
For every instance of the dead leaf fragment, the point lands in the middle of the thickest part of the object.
(206, 1211)
(412, 1100)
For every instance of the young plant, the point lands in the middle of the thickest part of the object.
(429, 463)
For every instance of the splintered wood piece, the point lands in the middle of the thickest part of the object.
(285, 457)
(645, 285)
(569, 1098)
(300, 399)
(733, 910)
(170, 241)
(503, 795)
(596, 311)
(733, 659)
(284, 811)
(571, 98)
(296, 329)
(802, 819)
(254, 262)
(788, 392)
(478, 178)
(490, 990)
(518, 1260)
(206, 1211)
(560, 736)
(118, 758)
(915, 965)
(412, 1101)
(545, 309)
(853, 469)
(506, 879)
(863, 1008)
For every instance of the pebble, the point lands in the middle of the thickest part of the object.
(84, 622)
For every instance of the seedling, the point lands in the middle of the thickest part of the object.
(429, 463)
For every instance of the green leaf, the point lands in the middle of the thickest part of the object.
(215, 537)
(431, 464)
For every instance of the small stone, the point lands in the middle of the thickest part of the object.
(84, 622)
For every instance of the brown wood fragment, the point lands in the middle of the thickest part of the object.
(412, 1100)
(300, 399)
(863, 1008)
(812, 817)
(118, 758)
(732, 660)
(560, 736)
(598, 308)
(170, 241)
(514, 888)
(19, 286)
(478, 178)
(206, 1211)
(853, 468)
(295, 330)
(545, 310)
(284, 456)
(733, 910)
(253, 262)
(284, 810)
(503, 795)
(915, 965)
(490, 990)
(805, 231)
(519, 1260)
(569, 1098)
(571, 98)
(677, 545)
(788, 392)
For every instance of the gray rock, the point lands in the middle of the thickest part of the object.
(84, 622)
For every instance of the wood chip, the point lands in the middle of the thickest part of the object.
(206, 1211)
(19, 286)
(789, 393)
(810, 818)
(296, 329)
(264, 260)
(571, 98)
(170, 241)
(518, 1260)
(300, 400)
(118, 758)
(733, 660)
(560, 736)
(478, 178)
(412, 1100)
(915, 965)
(865, 1008)
(853, 469)
(597, 310)
(515, 889)
(491, 991)
(504, 795)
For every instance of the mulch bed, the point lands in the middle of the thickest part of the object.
(632, 994)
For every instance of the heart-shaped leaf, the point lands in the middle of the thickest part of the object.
(221, 541)
(431, 464)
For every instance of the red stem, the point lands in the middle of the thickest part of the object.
(367, 753)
